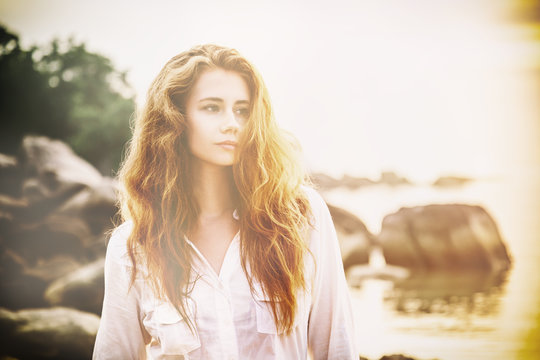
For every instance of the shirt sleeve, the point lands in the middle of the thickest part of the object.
(330, 328)
(121, 334)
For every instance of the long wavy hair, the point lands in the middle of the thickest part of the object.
(157, 192)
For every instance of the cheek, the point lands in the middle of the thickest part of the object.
(198, 136)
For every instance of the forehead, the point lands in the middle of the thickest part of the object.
(219, 83)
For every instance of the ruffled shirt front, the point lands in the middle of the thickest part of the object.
(231, 321)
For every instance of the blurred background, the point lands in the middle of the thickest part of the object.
(430, 106)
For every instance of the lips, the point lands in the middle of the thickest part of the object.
(228, 142)
(228, 145)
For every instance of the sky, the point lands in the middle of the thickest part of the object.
(420, 87)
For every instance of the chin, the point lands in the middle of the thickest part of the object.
(223, 162)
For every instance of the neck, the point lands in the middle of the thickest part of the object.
(213, 189)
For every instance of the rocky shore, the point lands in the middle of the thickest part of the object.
(56, 211)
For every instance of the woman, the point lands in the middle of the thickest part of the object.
(224, 252)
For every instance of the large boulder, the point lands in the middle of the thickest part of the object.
(57, 179)
(443, 237)
(65, 208)
(55, 164)
(82, 289)
(56, 333)
(355, 240)
(56, 223)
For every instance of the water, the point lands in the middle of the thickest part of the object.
(467, 316)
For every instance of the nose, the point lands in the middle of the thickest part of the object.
(230, 123)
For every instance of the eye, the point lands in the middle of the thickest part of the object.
(211, 108)
(242, 113)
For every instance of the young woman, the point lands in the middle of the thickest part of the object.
(225, 253)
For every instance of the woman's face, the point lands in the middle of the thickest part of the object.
(216, 110)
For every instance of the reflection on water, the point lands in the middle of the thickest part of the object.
(449, 293)
(472, 293)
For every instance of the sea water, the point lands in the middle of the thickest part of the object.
(470, 316)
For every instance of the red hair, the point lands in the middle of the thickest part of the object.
(157, 194)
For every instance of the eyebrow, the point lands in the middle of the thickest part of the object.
(211, 99)
(221, 100)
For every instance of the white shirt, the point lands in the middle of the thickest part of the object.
(231, 322)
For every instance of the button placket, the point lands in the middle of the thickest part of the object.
(227, 331)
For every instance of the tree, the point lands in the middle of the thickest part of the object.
(65, 92)
(25, 101)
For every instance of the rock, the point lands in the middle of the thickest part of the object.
(324, 181)
(11, 207)
(66, 205)
(52, 268)
(19, 289)
(396, 357)
(82, 289)
(353, 183)
(95, 205)
(40, 202)
(392, 179)
(347, 222)
(10, 175)
(57, 223)
(56, 235)
(55, 164)
(354, 238)
(56, 333)
(22, 285)
(443, 237)
(7, 162)
(390, 357)
(65, 237)
(451, 181)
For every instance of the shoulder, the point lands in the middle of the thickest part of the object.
(315, 199)
(322, 237)
(120, 235)
(318, 205)
(117, 250)
(321, 220)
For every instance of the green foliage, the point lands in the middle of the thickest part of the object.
(25, 101)
(65, 92)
